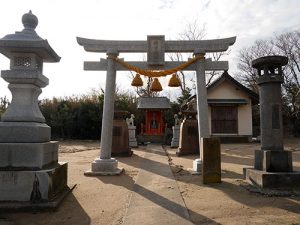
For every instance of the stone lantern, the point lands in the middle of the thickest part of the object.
(273, 165)
(28, 158)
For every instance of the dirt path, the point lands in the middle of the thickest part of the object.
(103, 200)
(229, 202)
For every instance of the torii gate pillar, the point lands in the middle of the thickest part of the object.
(105, 165)
(202, 106)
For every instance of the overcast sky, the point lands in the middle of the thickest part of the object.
(61, 21)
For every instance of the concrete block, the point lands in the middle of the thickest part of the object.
(33, 186)
(272, 180)
(28, 156)
(24, 132)
(211, 160)
(273, 161)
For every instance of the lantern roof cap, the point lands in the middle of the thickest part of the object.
(273, 60)
(28, 41)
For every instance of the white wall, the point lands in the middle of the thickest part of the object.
(226, 90)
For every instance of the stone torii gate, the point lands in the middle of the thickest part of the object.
(156, 47)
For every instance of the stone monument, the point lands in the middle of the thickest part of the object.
(120, 143)
(211, 160)
(29, 167)
(131, 130)
(273, 165)
(189, 140)
(176, 132)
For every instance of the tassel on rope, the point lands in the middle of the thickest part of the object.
(137, 81)
(174, 81)
(155, 86)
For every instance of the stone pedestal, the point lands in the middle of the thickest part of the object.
(132, 137)
(33, 186)
(175, 138)
(211, 160)
(28, 156)
(273, 180)
(273, 165)
(273, 161)
(188, 141)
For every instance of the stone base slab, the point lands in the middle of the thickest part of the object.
(118, 171)
(102, 167)
(33, 186)
(27, 156)
(273, 161)
(272, 180)
(24, 132)
(53, 204)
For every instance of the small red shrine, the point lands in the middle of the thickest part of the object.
(154, 108)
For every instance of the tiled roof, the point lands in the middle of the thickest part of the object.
(154, 103)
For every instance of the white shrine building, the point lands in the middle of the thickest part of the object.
(229, 109)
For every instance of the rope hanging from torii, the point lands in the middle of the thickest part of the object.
(153, 73)
(156, 86)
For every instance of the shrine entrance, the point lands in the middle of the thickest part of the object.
(153, 128)
(155, 67)
(154, 122)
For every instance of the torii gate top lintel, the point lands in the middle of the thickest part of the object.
(195, 46)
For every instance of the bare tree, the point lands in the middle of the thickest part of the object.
(194, 31)
(246, 73)
(286, 44)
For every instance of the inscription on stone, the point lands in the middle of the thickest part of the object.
(9, 178)
(275, 117)
(211, 160)
(156, 50)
